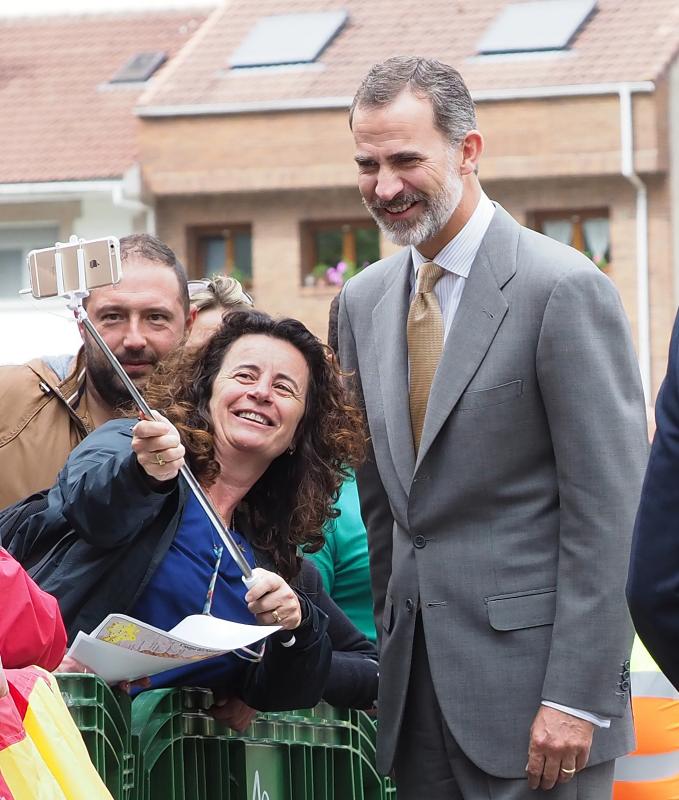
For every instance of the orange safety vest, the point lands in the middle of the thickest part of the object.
(651, 772)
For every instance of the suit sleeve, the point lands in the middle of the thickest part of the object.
(653, 583)
(591, 389)
(375, 508)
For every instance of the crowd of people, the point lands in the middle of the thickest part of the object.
(473, 469)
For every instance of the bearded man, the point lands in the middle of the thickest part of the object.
(48, 406)
(507, 423)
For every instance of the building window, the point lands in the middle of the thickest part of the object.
(15, 244)
(586, 230)
(221, 250)
(334, 251)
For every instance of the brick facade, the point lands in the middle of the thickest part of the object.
(275, 171)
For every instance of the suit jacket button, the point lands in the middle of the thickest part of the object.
(625, 664)
(409, 604)
(625, 675)
(624, 685)
(419, 541)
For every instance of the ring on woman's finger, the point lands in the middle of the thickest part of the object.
(160, 460)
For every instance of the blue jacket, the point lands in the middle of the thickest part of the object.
(653, 581)
(107, 526)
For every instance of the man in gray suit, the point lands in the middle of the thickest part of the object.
(509, 442)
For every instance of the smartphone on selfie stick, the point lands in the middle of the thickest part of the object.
(70, 271)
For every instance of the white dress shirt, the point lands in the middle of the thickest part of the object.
(456, 258)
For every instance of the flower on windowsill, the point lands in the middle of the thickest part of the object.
(323, 275)
(335, 275)
(600, 261)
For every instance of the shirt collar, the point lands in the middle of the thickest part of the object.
(458, 255)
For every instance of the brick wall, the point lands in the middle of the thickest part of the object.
(274, 171)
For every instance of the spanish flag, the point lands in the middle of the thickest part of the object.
(42, 755)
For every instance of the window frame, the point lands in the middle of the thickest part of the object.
(309, 229)
(576, 216)
(196, 250)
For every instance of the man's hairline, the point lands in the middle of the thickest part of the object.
(144, 260)
(420, 95)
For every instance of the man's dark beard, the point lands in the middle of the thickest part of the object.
(104, 379)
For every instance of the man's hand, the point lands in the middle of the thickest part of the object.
(69, 664)
(559, 743)
(234, 712)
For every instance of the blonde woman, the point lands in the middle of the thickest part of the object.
(212, 298)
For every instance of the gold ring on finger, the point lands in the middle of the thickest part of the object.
(276, 616)
(568, 771)
(160, 460)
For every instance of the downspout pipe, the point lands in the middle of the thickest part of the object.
(122, 201)
(627, 169)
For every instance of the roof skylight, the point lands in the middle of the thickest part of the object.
(288, 39)
(139, 68)
(535, 26)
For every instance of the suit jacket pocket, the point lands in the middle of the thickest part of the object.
(510, 612)
(388, 616)
(493, 396)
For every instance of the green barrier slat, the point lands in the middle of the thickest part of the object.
(103, 717)
(164, 746)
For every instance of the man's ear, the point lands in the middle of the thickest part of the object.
(81, 331)
(190, 319)
(472, 149)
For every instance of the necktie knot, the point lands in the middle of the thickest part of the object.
(427, 276)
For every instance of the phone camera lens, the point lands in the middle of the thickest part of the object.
(94, 263)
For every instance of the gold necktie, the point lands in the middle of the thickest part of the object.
(425, 344)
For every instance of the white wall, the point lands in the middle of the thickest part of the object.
(31, 328)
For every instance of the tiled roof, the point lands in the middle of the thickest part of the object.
(625, 40)
(59, 120)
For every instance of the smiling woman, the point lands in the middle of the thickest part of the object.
(261, 417)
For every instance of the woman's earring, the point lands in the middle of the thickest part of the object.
(291, 449)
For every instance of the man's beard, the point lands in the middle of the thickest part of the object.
(438, 209)
(102, 376)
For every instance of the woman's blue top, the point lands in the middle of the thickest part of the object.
(179, 587)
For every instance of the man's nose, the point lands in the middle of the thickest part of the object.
(134, 338)
(389, 184)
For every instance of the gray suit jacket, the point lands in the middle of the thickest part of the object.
(512, 528)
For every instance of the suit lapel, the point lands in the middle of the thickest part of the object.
(391, 346)
(479, 315)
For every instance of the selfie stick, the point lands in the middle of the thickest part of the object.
(75, 303)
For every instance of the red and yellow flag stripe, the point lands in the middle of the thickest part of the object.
(42, 755)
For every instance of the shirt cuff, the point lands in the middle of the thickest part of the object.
(595, 719)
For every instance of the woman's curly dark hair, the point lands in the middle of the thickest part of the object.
(292, 500)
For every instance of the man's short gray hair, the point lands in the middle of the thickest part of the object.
(454, 113)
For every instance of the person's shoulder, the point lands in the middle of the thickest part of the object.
(32, 372)
(110, 436)
(552, 260)
(372, 278)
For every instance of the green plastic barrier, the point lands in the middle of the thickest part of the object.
(103, 716)
(165, 746)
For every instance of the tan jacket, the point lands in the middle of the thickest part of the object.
(42, 418)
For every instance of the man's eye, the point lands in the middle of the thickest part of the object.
(111, 317)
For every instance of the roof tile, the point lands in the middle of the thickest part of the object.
(60, 119)
(625, 40)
